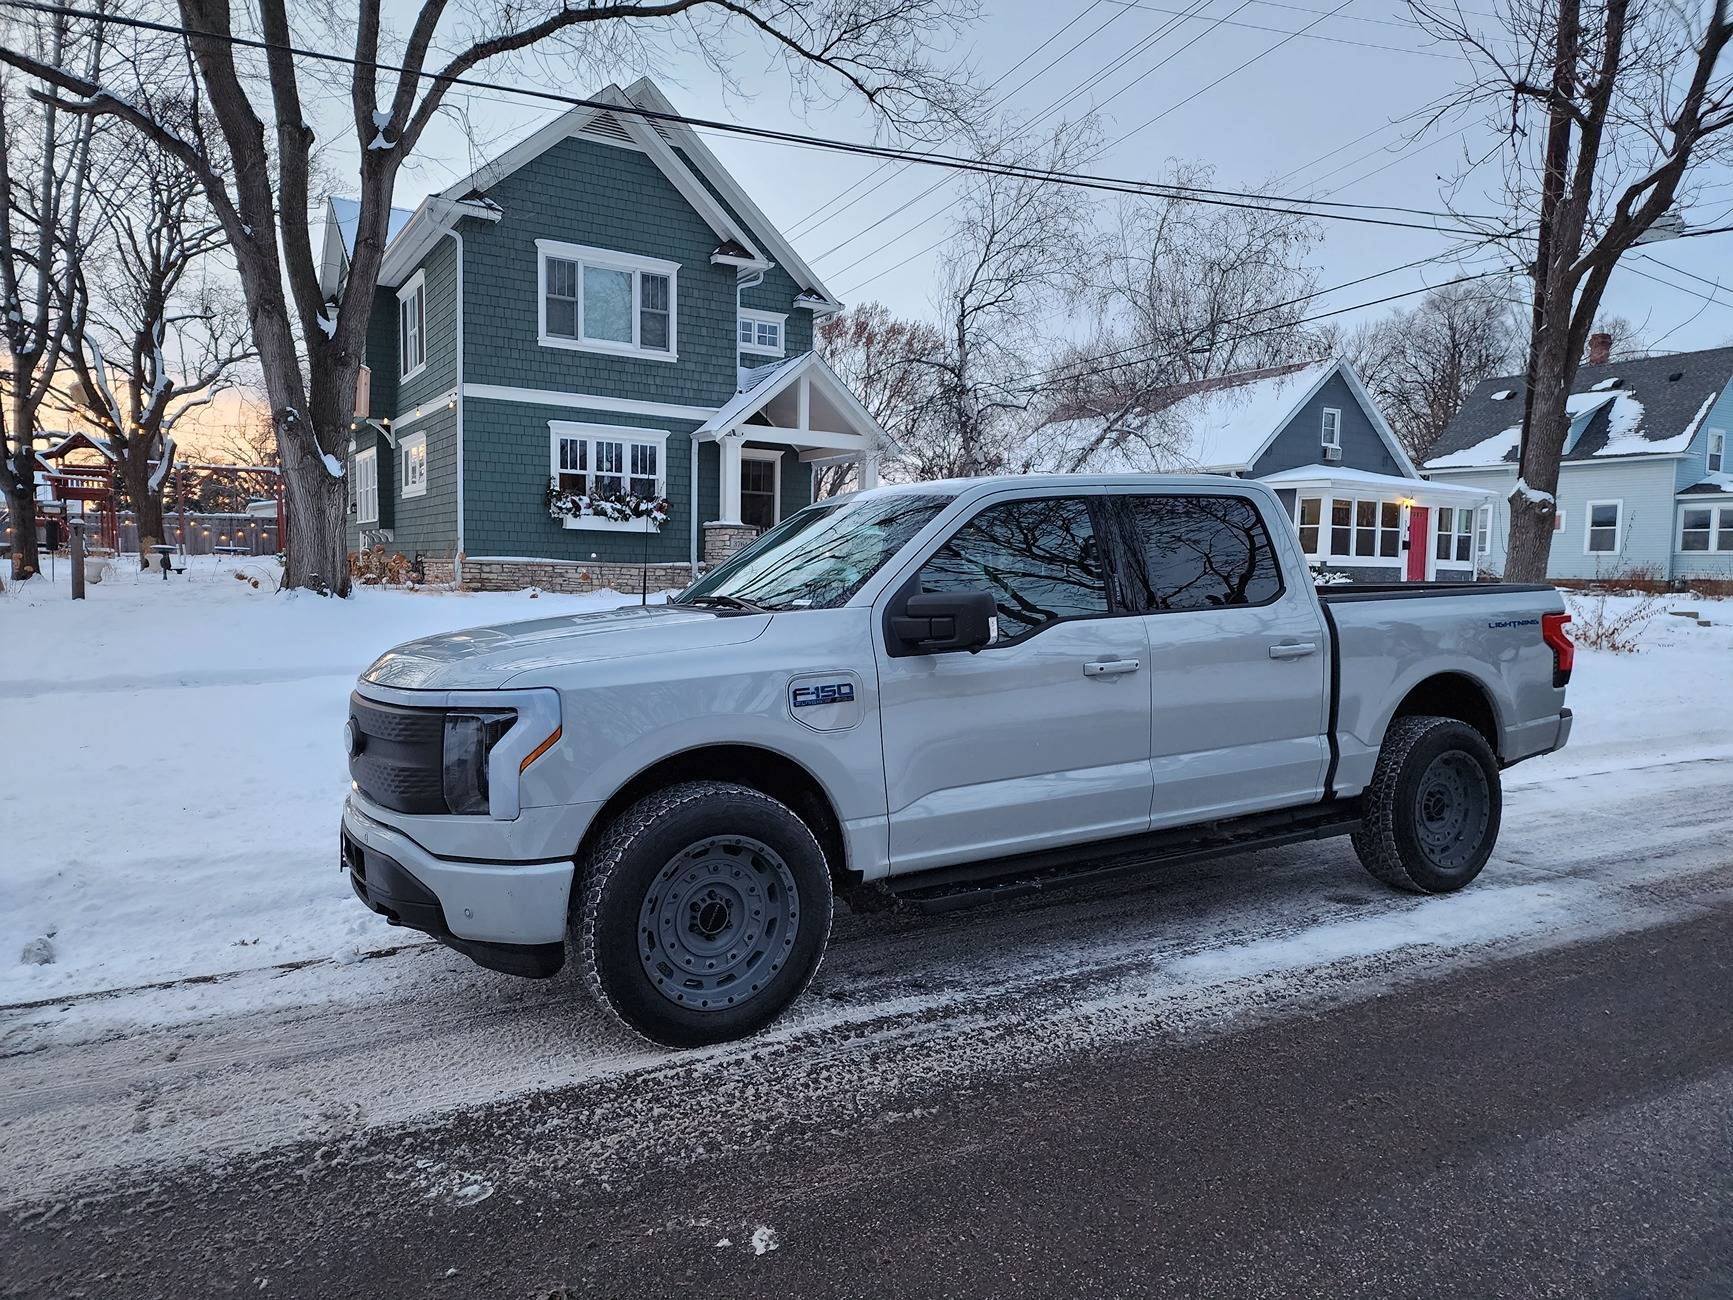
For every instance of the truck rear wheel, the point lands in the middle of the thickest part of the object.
(705, 910)
(1432, 809)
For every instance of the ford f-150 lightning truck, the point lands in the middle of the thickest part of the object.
(936, 693)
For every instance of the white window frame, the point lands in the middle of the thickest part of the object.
(1327, 540)
(592, 434)
(1455, 533)
(366, 485)
(412, 455)
(1618, 526)
(755, 318)
(1720, 527)
(1482, 531)
(775, 456)
(1322, 548)
(1716, 459)
(412, 295)
(609, 260)
(1330, 430)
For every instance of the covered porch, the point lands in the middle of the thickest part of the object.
(1382, 528)
(801, 405)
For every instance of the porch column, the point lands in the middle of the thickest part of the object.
(869, 473)
(728, 503)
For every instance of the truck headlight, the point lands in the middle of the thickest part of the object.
(469, 737)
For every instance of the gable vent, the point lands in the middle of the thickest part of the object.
(605, 126)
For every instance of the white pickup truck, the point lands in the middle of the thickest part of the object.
(942, 693)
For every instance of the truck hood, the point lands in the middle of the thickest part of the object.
(482, 658)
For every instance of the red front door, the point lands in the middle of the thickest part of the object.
(1419, 541)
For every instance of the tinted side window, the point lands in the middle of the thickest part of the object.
(1202, 552)
(1039, 559)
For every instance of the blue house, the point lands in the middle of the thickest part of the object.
(1309, 430)
(592, 356)
(1646, 484)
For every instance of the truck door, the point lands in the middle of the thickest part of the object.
(1040, 739)
(1238, 657)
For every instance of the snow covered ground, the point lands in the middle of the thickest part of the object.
(177, 813)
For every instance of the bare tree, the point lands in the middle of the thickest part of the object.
(146, 345)
(884, 361)
(1018, 253)
(256, 169)
(1420, 364)
(44, 164)
(1607, 106)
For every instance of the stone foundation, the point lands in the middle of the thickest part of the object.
(722, 540)
(567, 575)
(437, 572)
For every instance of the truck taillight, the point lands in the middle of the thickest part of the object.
(1564, 650)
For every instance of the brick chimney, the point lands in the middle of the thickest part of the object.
(1600, 349)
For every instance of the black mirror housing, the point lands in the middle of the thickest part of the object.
(931, 622)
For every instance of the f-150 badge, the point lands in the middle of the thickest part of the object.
(825, 701)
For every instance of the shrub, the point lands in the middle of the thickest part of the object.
(377, 567)
(1602, 620)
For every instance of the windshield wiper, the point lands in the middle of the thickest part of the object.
(726, 602)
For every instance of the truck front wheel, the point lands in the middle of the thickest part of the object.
(1432, 810)
(705, 910)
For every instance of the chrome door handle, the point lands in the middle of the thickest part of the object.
(1294, 650)
(1109, 667)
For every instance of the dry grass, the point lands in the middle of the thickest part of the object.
(1602, 620)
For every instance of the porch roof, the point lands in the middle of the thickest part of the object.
(803, 403)
(1357, 482)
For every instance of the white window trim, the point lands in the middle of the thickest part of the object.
(1618, 525)
(778, 319)
(1482, 531)
(613, 261)
(369, 457)
(1716, 451)
(775, 457)
(1456, 531)
(407, 445)
(1327, 542)
(416, 284)
(1720, 523)
(1323, 525)
(1324, 428)
(657, 438)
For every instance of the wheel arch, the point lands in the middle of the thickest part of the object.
(753, 766)
(1452, 695)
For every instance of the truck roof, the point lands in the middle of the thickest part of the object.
(985, 482)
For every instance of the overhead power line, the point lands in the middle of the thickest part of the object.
(1084, 180)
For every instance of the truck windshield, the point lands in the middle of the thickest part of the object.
(818, 558)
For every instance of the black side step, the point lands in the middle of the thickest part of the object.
(945, 889)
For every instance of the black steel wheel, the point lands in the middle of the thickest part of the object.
(1432, 809)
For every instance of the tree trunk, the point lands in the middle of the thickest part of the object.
(21, 483)
(316, 506)
(146, 505)
(1531, 515)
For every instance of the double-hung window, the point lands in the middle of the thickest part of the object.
(412, 326)
(1706, 528)
(597, 300)
(1602, 529)
(1310, 518)
(761, 332)
(607, 461)
(1455, 544)
(1482, 530)
(1332, 428)
(412, 452)
(1365, 528)
(1717, 451)
(367, 486)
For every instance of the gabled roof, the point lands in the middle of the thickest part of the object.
(759, 387)
(338, 242)
(1220, 425)
(1645, 407)
(72, 442)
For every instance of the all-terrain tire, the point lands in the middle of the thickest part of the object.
(704, 912)
(1431, 813)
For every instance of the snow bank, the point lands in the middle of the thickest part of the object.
(179, 812)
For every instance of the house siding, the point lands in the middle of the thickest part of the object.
(1694, 464)
(504, 511)
(1300, 441)
(1646, 487)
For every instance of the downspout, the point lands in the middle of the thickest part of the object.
(457, 554)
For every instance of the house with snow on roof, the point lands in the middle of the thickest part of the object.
(1310, 431)
(590, 363)
(1646, 483)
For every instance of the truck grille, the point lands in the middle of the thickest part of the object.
(399, 758)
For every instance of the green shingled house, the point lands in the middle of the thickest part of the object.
(593, 354)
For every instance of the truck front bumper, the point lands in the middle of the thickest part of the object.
(507, 916)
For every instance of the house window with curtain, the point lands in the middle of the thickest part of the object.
(596, 300)
(412, 451)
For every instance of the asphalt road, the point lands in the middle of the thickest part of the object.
(1258, 1076)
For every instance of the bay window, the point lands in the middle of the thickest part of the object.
(596, 300)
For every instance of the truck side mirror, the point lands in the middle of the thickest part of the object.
(935, 621)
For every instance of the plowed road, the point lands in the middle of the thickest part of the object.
(1257, 1076)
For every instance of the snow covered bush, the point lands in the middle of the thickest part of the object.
(1602, 620)
(621, 507)
(377, 567)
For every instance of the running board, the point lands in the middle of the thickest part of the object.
(945, 889)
